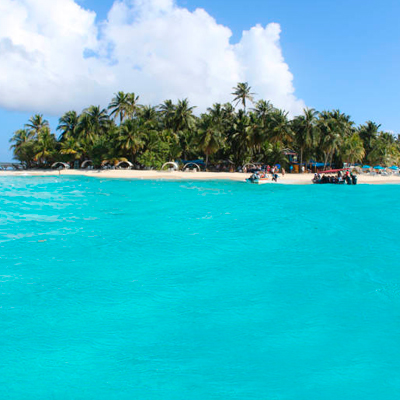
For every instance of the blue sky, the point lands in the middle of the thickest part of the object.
(342, 54)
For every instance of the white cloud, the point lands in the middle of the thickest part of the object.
(53, 56)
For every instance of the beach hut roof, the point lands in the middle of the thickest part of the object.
(249, 165)
(192, 164)
(60, 164)
(83, 165)
(174, 165)
(124, 162)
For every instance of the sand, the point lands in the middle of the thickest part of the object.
(297, 179)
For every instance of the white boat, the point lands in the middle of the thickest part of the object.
(259, 181)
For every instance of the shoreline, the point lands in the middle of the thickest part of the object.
(289, 179)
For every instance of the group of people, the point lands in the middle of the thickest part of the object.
(264, 174)
(348, 178)
(265, 169)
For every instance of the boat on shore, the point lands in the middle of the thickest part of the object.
(260, 178)
(338, 179)
(259, 181)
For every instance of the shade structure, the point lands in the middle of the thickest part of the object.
(60, 164)
(171, 165)
(378, 167)
(366, 166)
(330, 171)
(394, 168)
(124, 162)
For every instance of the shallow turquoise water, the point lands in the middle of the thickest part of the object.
(113, 289)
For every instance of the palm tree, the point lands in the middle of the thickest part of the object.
(93, 122)
(242, 93)
(258, 132)
(20, 137)
(68, 125)
(210, 139)
(228, 117)
(306, 130)
(279, 129)
(36, 123)
(70, 146)
(330, 136)
(368, 134)
(44, 145)
(334, 127)
(172, 140)
(149, 115)
(274, 153)
(353, 149)
(23, 146)
(131, 138)
(220, 119)
(133, 105)
(384, 150)
(263, 109)
(216, 113)
(241, 141)
(183, 124)
(167, 111)
(183, 118)
(119, 106)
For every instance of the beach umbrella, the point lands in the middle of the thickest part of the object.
(394, 168)
(378, 167)
(366, 166)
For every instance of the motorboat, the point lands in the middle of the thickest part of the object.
(261, 178)
(339, 179)
(258, 181)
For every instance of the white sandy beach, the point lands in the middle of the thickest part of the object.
(296, 179)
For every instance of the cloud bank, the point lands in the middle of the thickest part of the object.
(55, 57)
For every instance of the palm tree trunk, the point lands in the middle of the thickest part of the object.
(301, 157)
(325, 159)
(333, 152)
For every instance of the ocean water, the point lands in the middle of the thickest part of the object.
(117, 289)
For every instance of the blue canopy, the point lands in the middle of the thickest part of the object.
(193, 161)
(378, 167)
(394, 167)
(366, 166)
(313, 163)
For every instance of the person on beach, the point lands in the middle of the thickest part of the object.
(283, 171)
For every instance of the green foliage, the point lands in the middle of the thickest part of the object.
(353, 149)
(151, 136)
(242, 93)
(273, 153)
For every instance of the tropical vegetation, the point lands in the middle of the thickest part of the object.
(223, 136)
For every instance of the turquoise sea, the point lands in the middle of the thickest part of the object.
(118, 289)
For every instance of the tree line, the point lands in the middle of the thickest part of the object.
(148, 136)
